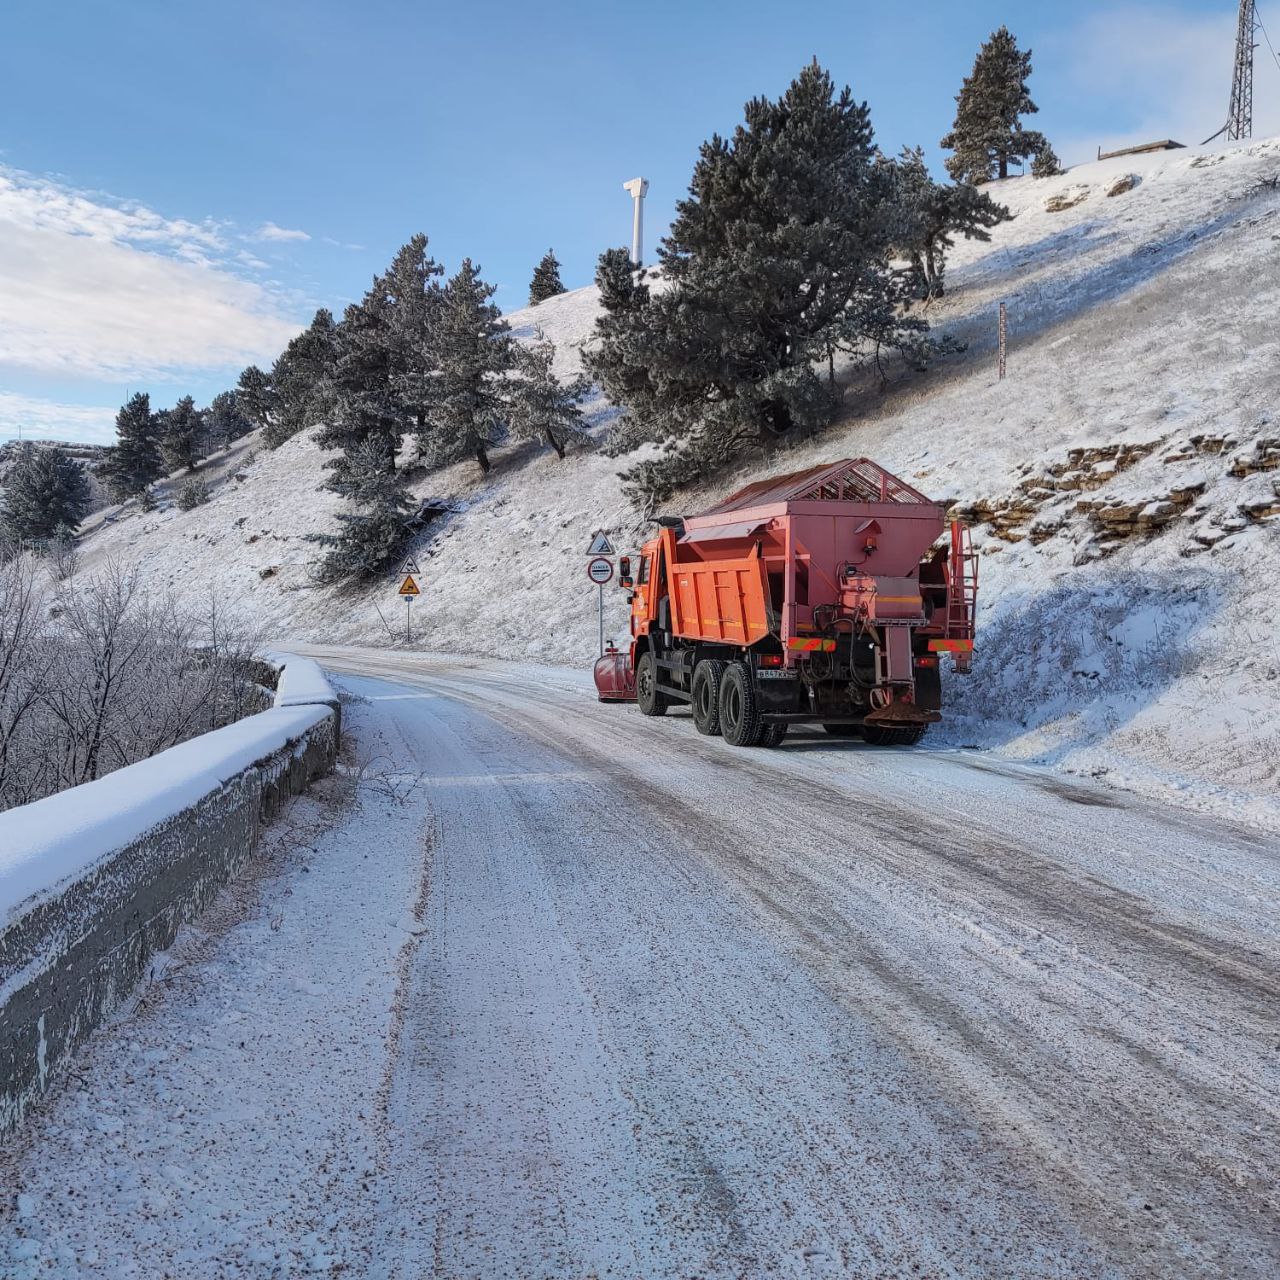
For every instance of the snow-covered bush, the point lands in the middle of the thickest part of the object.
(104, 675)
(195, 493)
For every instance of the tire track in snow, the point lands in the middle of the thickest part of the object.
(1110, 960)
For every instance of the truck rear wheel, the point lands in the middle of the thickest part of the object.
(881, 736)
(650, 700)
(739, 707)
(707, 678)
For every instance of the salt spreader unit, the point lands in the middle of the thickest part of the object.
(824, 597)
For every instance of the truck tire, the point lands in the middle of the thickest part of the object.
(772, 734)
(739, 707)
(879, 736)
(650, 700)
(707, 678)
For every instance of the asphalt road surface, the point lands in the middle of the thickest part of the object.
(682, 1009)
(675, 1009)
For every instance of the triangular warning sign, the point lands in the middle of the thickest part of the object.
(600, 545)
(409, 587)
(409, 567)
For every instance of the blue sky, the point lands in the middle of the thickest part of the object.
(182, 184)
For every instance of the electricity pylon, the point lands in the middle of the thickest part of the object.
(1240, 117)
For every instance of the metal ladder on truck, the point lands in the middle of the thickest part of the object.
(962, 593)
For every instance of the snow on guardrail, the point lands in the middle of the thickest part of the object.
(51, 841)
(301, 681)
(96, 879)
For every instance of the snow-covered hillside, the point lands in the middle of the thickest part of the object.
(1123, 476)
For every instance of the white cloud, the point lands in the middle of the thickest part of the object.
(47, 206)
(34, 419)
(269, 231)
(1170, 66)
(92, 287)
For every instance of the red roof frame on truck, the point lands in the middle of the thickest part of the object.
(849, 480)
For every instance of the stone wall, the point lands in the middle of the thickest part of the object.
(73, 950)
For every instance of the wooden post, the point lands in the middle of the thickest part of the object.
(1004, 337)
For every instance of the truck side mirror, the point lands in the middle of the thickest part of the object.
(624, 571)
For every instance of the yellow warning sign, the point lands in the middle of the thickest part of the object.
(409, 586)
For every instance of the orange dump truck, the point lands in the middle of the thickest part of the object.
(824, 597)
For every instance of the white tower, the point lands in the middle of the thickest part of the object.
(637, 188)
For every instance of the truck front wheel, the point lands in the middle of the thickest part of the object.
(708, 676)
(650, 700)
(739, 707)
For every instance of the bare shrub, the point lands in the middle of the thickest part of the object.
(63, 556)
(111, 676)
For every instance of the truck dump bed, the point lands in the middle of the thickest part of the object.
(845, 535)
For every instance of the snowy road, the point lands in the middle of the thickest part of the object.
(660, 1008)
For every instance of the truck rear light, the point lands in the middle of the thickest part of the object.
(771, 659)
(926, 662)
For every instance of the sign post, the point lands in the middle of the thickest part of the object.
(600, 571)
(409, 589)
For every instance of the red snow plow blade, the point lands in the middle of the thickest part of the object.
(615, 681)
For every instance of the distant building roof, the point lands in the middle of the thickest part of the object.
(1167, 144)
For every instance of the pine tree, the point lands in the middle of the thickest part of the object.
(474, 354)
(180, 432)
(620, 281)
(255, 398)
(223, 422)
(543, 407)
(301, 382)
(372, 536)
(46, 494)
(987, 133)
(1046, 163)
(546, 281)
(366, 421)
(414, 298)
(618, 359)
(932, 215)
(134, 463)
(779, 255)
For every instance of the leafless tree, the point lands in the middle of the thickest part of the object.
(110, 674)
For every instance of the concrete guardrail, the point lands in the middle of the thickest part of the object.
(94, 881)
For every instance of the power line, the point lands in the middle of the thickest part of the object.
(1267, 38)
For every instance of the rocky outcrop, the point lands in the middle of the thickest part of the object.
(1122, 185)
(1045, 503)
(1067, 199)
(1129, 517)
(1265, 457)
(1013, 517)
